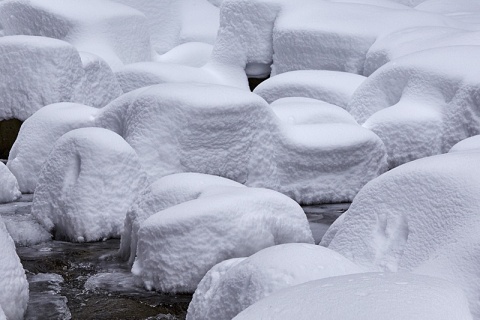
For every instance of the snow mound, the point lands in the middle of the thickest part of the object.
(329, 86)
(193, 54)
(406, 41)
(38, 135)
(372, 296)
(9, 186)
(297, 111)
(234, 134)
(469, 144)
(236, 223)
(172, 23)
(308, 34)
(34, 72)
(90, 179)
(421, 217)
(162, 194)
(423, 103)
(116, 33)
(223, 296)
(13, 282)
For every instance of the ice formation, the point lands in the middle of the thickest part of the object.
(223, 295)
(117, 33)
(420, 217)
(330, 86)
(13, 282)
(232, 133)
(8, 185)
(162, 194)
(423, 103)
(236, 223)
(367, 296)
(39, 133)
(89, 181)
(469, 144)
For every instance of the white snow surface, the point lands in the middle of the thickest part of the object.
(236, 223)
(13, 282)
(423, 103)
(117, 33)
(465, 11)
(420, 217)
(469, 144)
(39, 133)
(193, 54)
(223, 296)
(162, 194)
(235, 134)
(372, 296)
(8, 185)
(330, 86)
(90, 179)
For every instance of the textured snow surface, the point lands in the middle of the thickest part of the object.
(90, 179)
(367, 296)
(232, 133)
(8, 185)
(421, 217)
(469, 144)
(330, 86)
(162, 194)
(423, 103)
(39, 133)
(13, 282)
(224, 295)
(117, 33)
(236, 223)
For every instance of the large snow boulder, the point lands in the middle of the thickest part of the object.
(420, 217)
(329, 86)
(90, 179)
(13, 282)
(260, 275)
(236, 223)
(39, 133)
(368, 296)
(234, 134)
(423, 103)
(115, 32)
(162, 194)
(8, 185)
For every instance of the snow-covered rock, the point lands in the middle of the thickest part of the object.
(39, 133)
(162, 194)
(297, 111)
(90, 179)
(174, 22)
(235, 134)
(223, 296)
(367, 296)
(236, 223)
(420, 217)
(8, 185)
(469, 144)
(423, 103)
(36, 71)
(330, 86)
(13, 282)
(117, 33)
(193, 54)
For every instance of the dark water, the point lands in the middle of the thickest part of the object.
(88, 281)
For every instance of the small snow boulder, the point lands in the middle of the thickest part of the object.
(13, 282)
(8, 185)
(90, 179)
(177, 246)
(39, 133)
(365, 296)
(223, 296)
(469, 144)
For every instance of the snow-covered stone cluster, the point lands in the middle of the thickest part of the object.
(139, 123)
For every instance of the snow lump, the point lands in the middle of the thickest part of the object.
(8, 185)
(90, 179)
